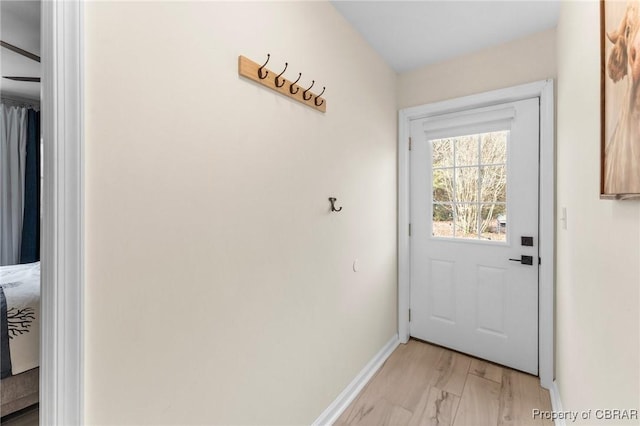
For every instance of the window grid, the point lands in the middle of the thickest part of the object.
(479, 203)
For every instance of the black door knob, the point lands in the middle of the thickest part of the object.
(525, 260)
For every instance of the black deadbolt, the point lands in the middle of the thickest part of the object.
(526, 241)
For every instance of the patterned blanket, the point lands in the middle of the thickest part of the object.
(19, 318)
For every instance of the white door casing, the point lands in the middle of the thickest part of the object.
(465, 293)
(544, 90)
(62, 285)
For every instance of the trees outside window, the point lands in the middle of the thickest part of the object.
(470, 186)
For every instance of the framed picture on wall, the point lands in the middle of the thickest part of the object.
(620, 99)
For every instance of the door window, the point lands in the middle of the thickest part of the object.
(469, 186)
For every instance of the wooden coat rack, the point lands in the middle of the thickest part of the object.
(258, 73)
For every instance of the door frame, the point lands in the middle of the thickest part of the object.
(62, 246)
(541, 89)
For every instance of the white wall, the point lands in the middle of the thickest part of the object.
(521, 61)
(598, 273)
(220, 289)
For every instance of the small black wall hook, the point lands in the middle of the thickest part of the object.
(304, 94)
(286, 64)
(292, 84)
(266, 73)
(315, 101)
(333, 207)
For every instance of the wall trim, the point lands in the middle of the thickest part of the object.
(544, 90)
(61, 340)
(337, 407)
(556, 403)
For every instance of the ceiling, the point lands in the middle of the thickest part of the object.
(411, 34)
(20, 26)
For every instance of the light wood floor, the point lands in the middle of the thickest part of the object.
(423, 384)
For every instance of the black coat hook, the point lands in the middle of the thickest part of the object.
(304, 94)
(286, 64)
(315, 101)
(266, 73)
(292, 84)
(333, 207)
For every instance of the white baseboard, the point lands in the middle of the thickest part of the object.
(337, 407)
(556, 403)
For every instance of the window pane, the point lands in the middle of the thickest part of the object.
(442, 151)
(494, 184)
(443, 185)
(443, 220)
(469, 186)
(466, 184)
(466, 220)
(467, 150)
(494, 147)
(493, 222)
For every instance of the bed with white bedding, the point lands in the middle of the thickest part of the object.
(19, 335)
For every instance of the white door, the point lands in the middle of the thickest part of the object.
(474, 209)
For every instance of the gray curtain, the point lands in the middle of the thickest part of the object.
(13, 142)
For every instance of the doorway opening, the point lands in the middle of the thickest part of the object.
(469, 171)
(21, 213)
(485, 102)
